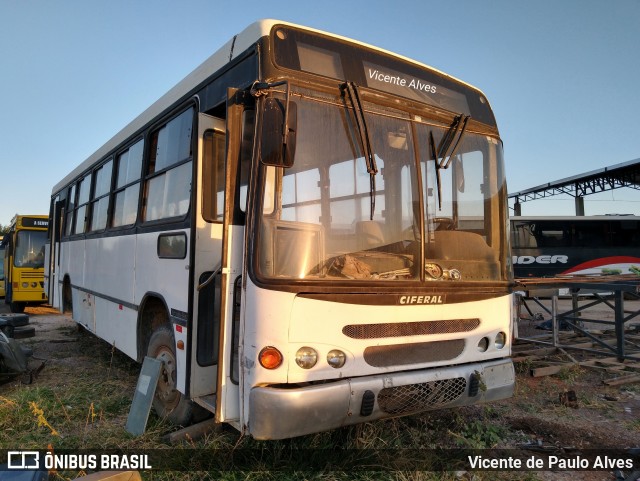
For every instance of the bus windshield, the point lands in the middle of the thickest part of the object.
(333, 215)
(29, 250)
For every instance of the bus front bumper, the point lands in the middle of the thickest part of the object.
(278, 413)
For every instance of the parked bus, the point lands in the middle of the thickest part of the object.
(584, 245)
(308, 231)
(2, 269)
(24, 248)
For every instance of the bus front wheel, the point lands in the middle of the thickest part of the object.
(168, 402)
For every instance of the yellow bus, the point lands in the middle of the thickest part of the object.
(24, 261)
(2, 271)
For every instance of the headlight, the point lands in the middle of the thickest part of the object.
(270, 357)
(501, 340)
(483, 344)
(336, 358)
(306, 357)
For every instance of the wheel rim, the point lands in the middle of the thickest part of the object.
(166, 391)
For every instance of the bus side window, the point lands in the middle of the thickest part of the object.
(168, 179)
(592, 234)
(523, 237)
(213, 176)
(71, 199)
(100, 198)
(83, 200)
(125, 196)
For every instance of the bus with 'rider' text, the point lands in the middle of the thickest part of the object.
(309, 232)
(24, 261)
(547, 246)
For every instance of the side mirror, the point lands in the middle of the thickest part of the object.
(278, 134)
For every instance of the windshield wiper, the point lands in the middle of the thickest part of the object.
(445, 151)
(351, 90)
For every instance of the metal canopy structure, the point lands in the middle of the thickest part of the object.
(616, 176)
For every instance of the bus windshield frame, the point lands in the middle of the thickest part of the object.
(29, 248)
(329, 218)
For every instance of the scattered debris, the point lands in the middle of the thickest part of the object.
(569, 399)
(542, 359)
(14, 358)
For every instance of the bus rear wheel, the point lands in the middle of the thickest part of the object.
(67, 299)
(17, 307)
(168, 402)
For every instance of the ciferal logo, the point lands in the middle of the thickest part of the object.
(430, 299)
(23, 460)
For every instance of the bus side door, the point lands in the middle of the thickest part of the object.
(207, 259)
(240, 127)
(52, 253)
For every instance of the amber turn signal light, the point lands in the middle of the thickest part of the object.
(270, 357)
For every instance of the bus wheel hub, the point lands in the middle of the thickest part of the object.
(167, 381)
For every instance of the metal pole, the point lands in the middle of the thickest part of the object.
(619, 311)
(554, 318)
(579, 205)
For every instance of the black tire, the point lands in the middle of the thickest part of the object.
(168, 402)
(67, 300)
(24, 332)
(17, 307)
(7, 331)
(15, 320)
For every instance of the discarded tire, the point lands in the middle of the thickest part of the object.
(14, 319)
(24, 332)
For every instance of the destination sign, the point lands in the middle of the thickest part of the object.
(416, 84)
(35, 222)
(338, 59)
(415, 88)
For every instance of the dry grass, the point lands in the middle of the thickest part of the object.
(82, 399)
(85, 406)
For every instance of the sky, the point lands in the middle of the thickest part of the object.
(562, 76)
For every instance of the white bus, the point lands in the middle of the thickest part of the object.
(308, 231)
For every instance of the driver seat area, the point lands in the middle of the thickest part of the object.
(369, 234)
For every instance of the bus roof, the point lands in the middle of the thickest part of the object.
(229, 51)
(30, 221)
(20, 216)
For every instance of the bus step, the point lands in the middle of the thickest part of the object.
(207, 402)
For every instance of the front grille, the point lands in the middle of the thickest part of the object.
(414, 398)
(31, 275)
(415, 353)
(400, 329)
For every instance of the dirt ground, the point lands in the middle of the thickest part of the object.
(607, 410)
(603, 416)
